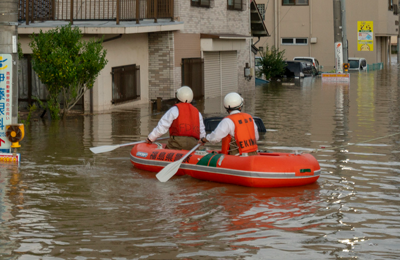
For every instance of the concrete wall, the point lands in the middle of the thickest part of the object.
(216, 19)
(127, 50)
(187, 45)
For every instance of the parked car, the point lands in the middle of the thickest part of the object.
(313, 60)
(311, 67)
(298, 69)
(357, 63)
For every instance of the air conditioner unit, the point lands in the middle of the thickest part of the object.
(313, 40)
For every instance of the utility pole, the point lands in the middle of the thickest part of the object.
(344, 32)
(9, 48)
(338, 37)
(398, 36)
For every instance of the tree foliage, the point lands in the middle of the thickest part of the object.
(66, 64)
(272, 63)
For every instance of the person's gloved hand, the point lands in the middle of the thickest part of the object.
(203, 141)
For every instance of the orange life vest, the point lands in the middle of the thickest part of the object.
(187, 123)
(244, 134)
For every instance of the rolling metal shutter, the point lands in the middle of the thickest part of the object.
(212, 75)
(229, 72)
(220, 73)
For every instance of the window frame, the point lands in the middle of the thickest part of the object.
(118, 78)
(294, 41)
(232, 6)
(198, 3)
(261, 9)
(390, 5)
(295, 3)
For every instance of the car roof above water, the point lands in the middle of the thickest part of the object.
(355, 58)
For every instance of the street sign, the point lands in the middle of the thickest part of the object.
(335, 77)
(365, 36)
(10, 158)
(5, 99)
(339, 57)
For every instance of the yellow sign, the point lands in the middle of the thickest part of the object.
(3, 66)
(335, 77)
(365, 35)
(7, 157)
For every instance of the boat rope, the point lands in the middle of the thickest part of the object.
(366, 141)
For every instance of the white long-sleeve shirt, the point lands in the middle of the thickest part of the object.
(225, 127)
(166, 121)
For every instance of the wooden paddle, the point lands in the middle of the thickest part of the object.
(165, 174)
(108, 148)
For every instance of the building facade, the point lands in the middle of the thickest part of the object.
(305, 28)
(151, 52)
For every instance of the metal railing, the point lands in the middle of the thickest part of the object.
(125, 83)
(375, 66)
(91, 10)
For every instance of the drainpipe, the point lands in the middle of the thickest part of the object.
(398, 35)
(276, 23)
(112, 38)
(251, 39)
(310, 28)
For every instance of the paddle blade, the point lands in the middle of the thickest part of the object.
(103, 149)
(165, 174)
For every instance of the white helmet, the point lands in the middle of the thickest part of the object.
(184, 94)
(233, 101)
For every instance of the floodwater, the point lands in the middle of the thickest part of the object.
(65, 202)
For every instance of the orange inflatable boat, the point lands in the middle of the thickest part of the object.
(264, 170)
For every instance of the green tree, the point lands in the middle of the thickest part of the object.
(272, 63)
(66, 64)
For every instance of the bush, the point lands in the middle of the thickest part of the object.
(272, 63)
(66, 64)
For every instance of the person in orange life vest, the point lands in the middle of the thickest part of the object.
(184, 122)
(238, 131)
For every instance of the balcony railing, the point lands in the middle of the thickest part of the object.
(91, 10)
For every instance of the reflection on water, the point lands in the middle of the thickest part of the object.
(66, 203)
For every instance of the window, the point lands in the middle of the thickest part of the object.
(200, 3)
(261, 9)
(235, 5)
(301, 41)
(390, 2)
(258, 62)
(294, 41)
(294, 2)
(354, 64)
(125, 83)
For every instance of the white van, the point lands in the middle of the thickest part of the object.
(357, 63)
(313, 60)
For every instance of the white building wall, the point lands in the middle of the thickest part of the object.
(127, 50)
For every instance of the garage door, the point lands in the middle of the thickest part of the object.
(220, 73)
